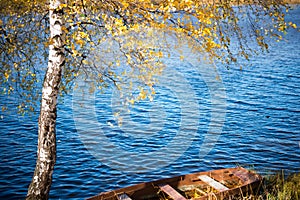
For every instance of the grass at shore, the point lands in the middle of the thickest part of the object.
(275, 187)
(280, 188)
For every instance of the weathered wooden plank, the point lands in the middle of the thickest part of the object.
(171, 192)
(213, 183)
(123, 196)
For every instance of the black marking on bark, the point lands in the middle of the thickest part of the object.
(57, 22)
(58, 12)
(63, 62)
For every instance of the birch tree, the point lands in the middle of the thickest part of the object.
(66, 35)
(46, 154)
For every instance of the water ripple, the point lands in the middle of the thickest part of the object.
(261, 131)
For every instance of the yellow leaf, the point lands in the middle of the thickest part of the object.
(116, 114)
(6, 75)
(63, 5)
(81, 42)
(160, 54)
(4, 108)
(83, 34)
(15, 65)
(143, 94)
(292, 25)
(131, 101)
(75, 52)
(206, 31)
(118, 63)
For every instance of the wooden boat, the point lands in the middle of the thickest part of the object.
(216, 184)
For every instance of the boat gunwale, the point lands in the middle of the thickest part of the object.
(253, 178)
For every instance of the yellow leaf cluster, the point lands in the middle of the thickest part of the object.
(125, 40)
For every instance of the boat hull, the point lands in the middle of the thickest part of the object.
(202, 185)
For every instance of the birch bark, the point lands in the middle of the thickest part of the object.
(46, 153)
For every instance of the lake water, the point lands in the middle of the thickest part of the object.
(175, 134)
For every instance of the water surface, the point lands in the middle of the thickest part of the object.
(261, 129)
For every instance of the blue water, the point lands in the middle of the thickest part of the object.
(261, 130)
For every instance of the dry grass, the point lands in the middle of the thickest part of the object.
(275, 187)
(281, 188)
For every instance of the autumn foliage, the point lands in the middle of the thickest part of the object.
(122, 43)
(129, 30)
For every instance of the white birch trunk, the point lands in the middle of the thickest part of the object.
(46, 153)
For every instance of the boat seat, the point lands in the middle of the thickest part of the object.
(123, 196)
(171, 192)
(213, 183)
